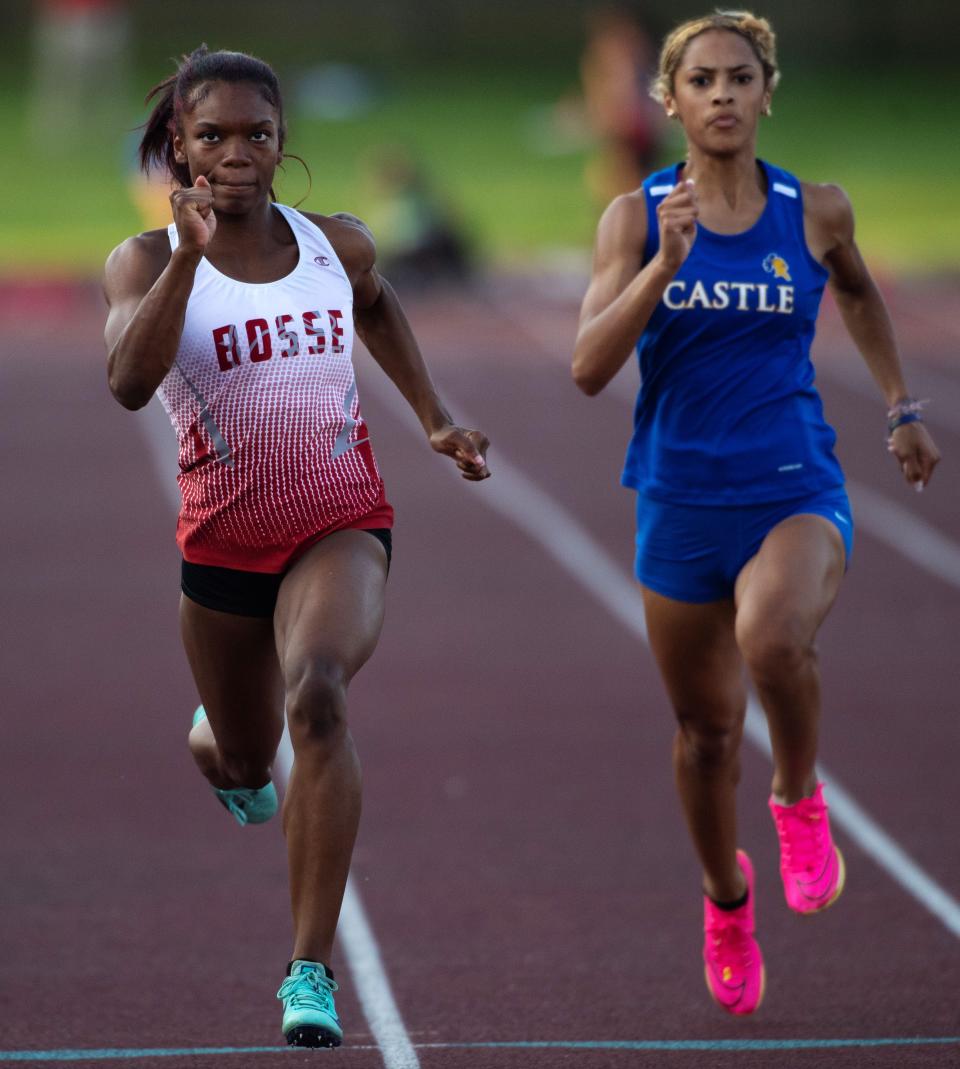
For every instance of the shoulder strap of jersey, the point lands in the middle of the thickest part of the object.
(308, 231)
(786, 200)
(786, 196)
(782, 183)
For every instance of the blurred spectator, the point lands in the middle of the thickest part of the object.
(150, 191)
(617, 65)
(80, 71)
(418, 242)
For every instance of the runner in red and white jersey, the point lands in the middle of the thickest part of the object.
(242, 314)
(273, 451)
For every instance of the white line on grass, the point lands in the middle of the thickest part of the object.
(546, 522)
(354, 931)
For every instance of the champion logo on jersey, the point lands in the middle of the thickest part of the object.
(321, 261)
(777, 266)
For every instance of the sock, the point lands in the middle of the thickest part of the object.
(326, 968)
(729, 907)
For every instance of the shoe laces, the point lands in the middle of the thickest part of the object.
(310, 989)
(803, 839)
(237, 800)
(731, 944)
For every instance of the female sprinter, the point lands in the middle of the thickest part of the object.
(242, 314)
(717, 266)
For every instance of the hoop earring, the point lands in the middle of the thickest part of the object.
(292, 156)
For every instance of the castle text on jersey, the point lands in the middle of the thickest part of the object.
(748, 296)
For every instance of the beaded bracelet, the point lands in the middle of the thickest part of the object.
(906, 411)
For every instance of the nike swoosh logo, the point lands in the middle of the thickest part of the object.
(724, 992)
(825, 874)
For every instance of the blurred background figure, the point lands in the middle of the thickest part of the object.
(419, 242)
(615, 70)
(80, 71)
(149, 190)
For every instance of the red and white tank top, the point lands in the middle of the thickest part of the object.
(274, 453)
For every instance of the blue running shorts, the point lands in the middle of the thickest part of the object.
(694, 553)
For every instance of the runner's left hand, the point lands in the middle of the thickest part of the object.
(467, 448)
(915, 451)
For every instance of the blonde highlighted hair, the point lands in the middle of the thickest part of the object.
(757, 32)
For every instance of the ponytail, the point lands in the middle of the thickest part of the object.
(156, 145)
(176, 95)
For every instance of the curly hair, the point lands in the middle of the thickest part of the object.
(757, 32)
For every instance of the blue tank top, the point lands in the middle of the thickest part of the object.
(727, 411)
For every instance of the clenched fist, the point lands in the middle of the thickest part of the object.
(194, 215)
(677, 215)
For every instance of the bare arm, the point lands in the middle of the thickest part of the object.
(384, 329)
(621, 297)
(830, 235)
(145, 319)
(147, 290)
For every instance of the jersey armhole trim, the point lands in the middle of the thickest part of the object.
(311, 230)
(818, 267)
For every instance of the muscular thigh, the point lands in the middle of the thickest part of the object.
(330, 606)
(234, 664)
(697, 654)
(792, 581)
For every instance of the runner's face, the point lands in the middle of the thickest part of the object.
(719, 93)
(231, 137)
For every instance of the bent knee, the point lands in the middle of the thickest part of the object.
(775, 649)
(316, 702)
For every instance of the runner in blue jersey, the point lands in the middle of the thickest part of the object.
(717, 265)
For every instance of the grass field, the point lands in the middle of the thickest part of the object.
(485, 138)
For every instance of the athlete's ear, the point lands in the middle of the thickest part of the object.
(767, 101)
(669, 106)
(178, 154)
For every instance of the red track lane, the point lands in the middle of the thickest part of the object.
(522, 857)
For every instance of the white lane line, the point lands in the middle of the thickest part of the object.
(901, 529)
(551, 526)
(363, 958)
(897, 526)
(356, 936)
(942, 391)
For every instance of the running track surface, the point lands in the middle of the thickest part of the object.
(522, 861)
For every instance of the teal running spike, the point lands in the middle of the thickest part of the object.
(309, 1015)
(249, 805)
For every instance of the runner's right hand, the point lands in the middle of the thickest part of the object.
(677, 215)
(194, 215)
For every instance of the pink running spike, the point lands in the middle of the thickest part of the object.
(733, 964)
(811, 866)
